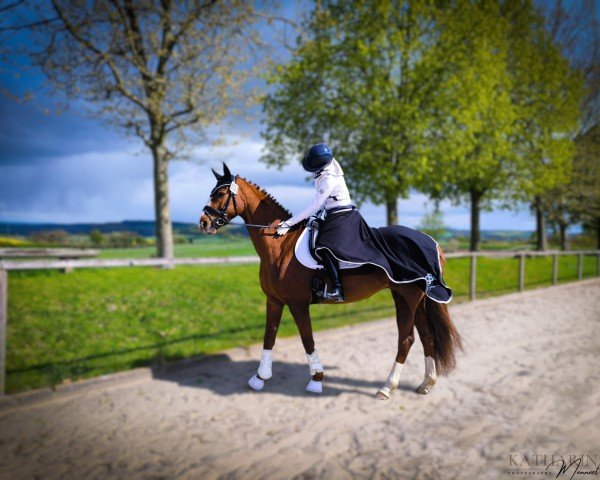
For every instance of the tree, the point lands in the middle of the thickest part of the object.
(432, 223)
(161, 70)
(578, 200)
(588, 168)
(475, 159)
(575, 29)
(96, 237)
(546, 94)
(361, 79)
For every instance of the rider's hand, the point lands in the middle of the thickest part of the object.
(283, 228)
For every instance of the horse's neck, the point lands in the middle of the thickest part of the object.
(260, 209)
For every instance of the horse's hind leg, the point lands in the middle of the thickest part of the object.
(427, 340)
(301, 314)
(274, 311)
(405, 310)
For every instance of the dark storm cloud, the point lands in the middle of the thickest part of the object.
(29, 135)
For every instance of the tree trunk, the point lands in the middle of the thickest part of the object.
(598, 234)
(540, 225)
(564, 241)
(164, 228)
(475, 214)
(391, 206)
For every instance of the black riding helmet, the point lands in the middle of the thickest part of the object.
(317, 157)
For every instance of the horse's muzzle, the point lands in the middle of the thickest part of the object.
(205, 225)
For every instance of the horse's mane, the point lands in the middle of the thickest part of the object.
(270, 197)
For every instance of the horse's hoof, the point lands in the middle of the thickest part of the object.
(256, 383)
(314, 387)
(425, 387)
(384, 394)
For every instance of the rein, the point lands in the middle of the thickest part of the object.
(250, 225)
(218, 218)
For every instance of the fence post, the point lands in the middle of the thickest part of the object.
(3, 322)
(473, 277)
(580, 266)
(521, 272)
(598, 264)
(555, 269)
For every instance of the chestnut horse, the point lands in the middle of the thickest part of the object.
(286, 281)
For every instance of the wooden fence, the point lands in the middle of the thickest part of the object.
(69, 265)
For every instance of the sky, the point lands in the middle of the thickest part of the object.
(69, 168)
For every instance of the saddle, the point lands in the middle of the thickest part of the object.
(305, 249)
(306, 253)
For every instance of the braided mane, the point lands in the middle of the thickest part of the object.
(270, 197)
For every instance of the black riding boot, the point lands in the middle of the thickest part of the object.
(333, 268)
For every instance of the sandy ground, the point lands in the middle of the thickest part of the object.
(528, 384)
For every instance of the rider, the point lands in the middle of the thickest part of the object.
(332, 194)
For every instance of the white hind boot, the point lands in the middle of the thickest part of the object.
(430, 377)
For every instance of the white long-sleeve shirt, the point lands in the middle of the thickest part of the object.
(331, 192)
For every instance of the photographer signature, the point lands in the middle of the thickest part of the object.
(575, 464)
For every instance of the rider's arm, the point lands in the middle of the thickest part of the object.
(324, 186)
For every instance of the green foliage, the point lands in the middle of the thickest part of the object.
(578, 199)
(432, 224)
(96, 237)
(546, 94)
(474, 150)
(362, 81)
(51, 237)
(465, 100)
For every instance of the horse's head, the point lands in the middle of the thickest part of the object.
(223, 205)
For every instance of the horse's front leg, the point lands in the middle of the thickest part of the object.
(265, 370)
(301, 314)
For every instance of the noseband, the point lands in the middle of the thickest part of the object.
(218, 218)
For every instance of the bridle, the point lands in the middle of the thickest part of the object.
(218, 218)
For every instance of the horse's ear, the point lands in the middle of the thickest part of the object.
(226, 172)
(217, 176)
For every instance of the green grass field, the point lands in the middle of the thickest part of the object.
(91, 322)
(210, 246)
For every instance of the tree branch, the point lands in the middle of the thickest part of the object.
(119, 85)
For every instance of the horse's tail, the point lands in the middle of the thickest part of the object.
(446, 338)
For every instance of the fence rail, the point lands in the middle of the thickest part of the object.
(69, 265)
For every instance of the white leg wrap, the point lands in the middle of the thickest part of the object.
(314, 363)
(430, 376)
(265, 370)
(430, 368)
(394, 377)
(392, 381)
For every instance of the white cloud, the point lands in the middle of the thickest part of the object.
(117, 185)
